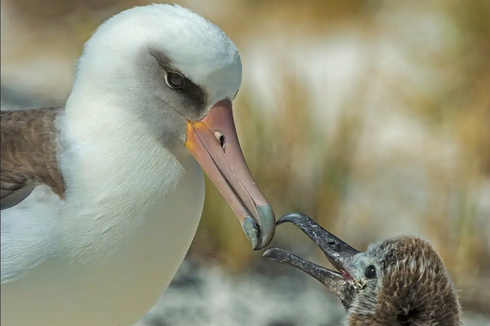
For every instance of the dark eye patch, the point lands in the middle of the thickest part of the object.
(195, 96)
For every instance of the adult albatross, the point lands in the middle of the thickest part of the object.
(101, 198)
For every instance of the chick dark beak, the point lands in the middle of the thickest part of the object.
(338, 253)
(334, 281)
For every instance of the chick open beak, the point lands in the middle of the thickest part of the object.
(214, 143)
(338, 253)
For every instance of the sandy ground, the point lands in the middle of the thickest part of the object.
(206, 295)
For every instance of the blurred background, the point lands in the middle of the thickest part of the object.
(373, 117)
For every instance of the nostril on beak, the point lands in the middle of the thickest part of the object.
(334, 245)
(220, 137)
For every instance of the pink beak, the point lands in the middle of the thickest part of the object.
(214, 143)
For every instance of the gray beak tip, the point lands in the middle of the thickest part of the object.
(273, 254)
(267, 226)
(251, 231)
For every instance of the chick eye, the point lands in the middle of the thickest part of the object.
(370, 272)
(175, 80)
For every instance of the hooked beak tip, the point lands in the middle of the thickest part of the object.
(261, 232)
(291, 218)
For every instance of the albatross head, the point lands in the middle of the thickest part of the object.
(177, 74)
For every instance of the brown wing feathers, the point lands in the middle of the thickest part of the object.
(28, 154)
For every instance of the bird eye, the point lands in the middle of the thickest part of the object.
(175, 80)
(370, 272)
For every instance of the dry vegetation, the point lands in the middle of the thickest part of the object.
(458, 105)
